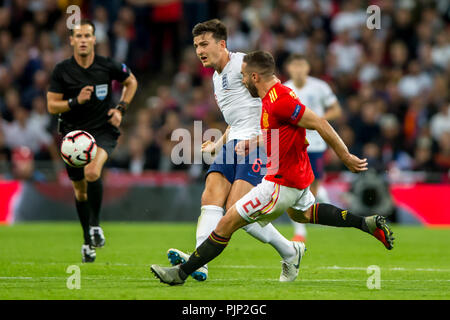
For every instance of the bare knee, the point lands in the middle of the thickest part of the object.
(91, 174)
(216, 190)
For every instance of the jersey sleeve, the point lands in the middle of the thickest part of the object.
(56, 81)
(119, 71)
(328, 97)
(288, 109)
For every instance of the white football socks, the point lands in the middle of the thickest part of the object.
(299, 229)
(268, 234)
(211, 215)
(207, 222)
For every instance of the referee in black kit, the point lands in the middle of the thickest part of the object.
(80, 92)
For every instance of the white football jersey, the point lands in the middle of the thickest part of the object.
(317, 95)
(240, 110)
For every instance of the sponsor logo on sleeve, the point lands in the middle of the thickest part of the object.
(296, 112)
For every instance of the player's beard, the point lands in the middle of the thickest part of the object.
(252, 89)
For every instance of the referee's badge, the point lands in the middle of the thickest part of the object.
(101, 91)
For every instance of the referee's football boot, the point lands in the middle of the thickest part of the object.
(87, 253)
(97, 237)
(177, 257)
(289, 270)
(379, 229)
(169, 275)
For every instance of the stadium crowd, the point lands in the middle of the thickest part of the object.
(392, 82)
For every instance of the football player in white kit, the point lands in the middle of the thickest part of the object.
(318, 96)
(229, 178)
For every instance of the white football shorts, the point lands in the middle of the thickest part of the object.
(269, 200)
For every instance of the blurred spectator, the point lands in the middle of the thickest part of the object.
(23, 165)
(39, 117)
(423, 155)
(22, 132)
(415, 82)
(181, 89)
(366, 127)
(345, 54)
(5, 152)
(165, 18)
(440, 122)
(350, 18)
(136, 162)
(101, 24)
(441, 50)
(391, 139)
(371, 151)
(442, 158)
(11, 104)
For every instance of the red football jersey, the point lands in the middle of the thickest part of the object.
(288, 162)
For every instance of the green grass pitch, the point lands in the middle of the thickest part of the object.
(35, 256)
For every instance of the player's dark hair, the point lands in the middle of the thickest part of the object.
(215, 26)
(84, 22)
(262, 61)
(294, 57)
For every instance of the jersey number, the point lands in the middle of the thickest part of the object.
(256, 167)
(253, 204)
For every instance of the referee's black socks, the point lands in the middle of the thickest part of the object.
(329, 215)
(84, 212)
(95, 198)
(207, 251)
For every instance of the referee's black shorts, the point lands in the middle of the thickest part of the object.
(106, 138)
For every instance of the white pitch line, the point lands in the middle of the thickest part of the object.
(340, 280)
(335, 268)
(228, 279)
(252, 266)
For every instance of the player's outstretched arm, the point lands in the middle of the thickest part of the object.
(312, 121)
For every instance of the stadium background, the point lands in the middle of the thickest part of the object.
(392, 84)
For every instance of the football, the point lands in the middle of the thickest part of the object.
(78, 148)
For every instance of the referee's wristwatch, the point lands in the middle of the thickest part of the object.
(122, 106)
(73, 103)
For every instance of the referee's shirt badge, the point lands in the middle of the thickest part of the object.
(101, 91)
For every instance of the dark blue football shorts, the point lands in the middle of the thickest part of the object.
(316, 159)
(250, 168)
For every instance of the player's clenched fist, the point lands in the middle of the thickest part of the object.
(209, 147)
(355, 164)
(85, 94)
